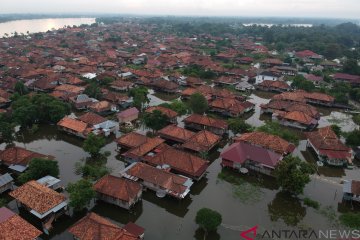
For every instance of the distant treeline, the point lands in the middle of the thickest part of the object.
(14, 17)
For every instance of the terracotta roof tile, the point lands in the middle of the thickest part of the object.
(73, 124)
(202, 141)
(206, 121)
(92, 118)
(20, 156)
(131, 140)
(168, 112)
(174, 132)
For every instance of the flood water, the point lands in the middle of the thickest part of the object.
(40, 25)
(243, 201)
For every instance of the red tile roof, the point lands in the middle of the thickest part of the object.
(13, 227)
(176, 133)
(202, 141)
(168, 112)
(181, 162)
(37, 197)
(118, 188)
(269, 141)
(206, 121)
(94, 227)
(92, 118)
(131, 140)
(20, 156)
(146, 147)
(73, 124)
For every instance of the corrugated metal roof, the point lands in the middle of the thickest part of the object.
(5, 179)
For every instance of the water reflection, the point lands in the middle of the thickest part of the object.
(287, 208)
(200, 235)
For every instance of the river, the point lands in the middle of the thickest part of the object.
(40, 25)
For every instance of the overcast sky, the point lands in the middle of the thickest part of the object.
(295, 8)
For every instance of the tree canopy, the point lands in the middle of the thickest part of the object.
(208, 219)
(80, 194)
(39, 168)
(139, 95)
(6, 129)
(198, 103)
(275, 128)
(292, 174)
(93, 144)
(238, 125)
(178, 106)
(300, 82)
(155, 120)
(353, 138)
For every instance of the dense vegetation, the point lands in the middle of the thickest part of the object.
(275, 128)
(208, 219)
(80, 194)
(39, 168)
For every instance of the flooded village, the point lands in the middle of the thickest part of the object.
(126, 129)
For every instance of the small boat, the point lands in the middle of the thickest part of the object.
(244, 170)
(320, 163)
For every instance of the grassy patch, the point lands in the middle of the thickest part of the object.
(330, 214)
(351, 220)
(311, 203)
(242, 190)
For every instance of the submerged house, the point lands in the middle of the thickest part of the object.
(202, 122)
(230, 107)
(14, 227)
(41, 201)
(118, 191)
(351, 190)
(179, 162)
(159, 180)
(171, 114)
(295, 119)
(175, 134)
(18, 158)
(202, 141)
(328, 147)
(245, 155)
(92, 226)
(128, 115)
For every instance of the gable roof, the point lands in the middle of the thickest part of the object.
(73, 124)
(92, 118)
(202, 141)
(167, 111)
(174, 132)
(241, 152)
(131, 140)
(20, 156)
(14, 227)
(206, 121)
(180, 161)
(117, 187)
(5, 179)
(94, 227)
(37, 197)
(148, 146)
(128, 112)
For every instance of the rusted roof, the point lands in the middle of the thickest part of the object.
(269, 141)
(206, 121)
(20, 156)
(13, 227)
(202, 141)
(118, 188)
(180, 161)
(174, 132)
(168, 112)
(94, 227)
(73, 124)
(37, 197)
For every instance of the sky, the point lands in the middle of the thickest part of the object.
(265, 8)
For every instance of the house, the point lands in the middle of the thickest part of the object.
(230, 107)
(120, 85)
(266, 75)
(179, 162)
(245, 155)
(74, 126)
(245, 60)
(202, 141)
(159, 180)
(175, 134)
(285, 70)
(41, 201)
(50, 182)
(92, 227)
(273, 86)
(81, 101)
(328, 147)
(171, 114)
(4, 98)
(271, 62)
(99, 124)
(226, 81)
(18, 159)
(317, 80)
(315, 98)
(268, 141)
(201, 122)
(120, 99)
(295, 119)
(128, 115)
(166, 86)
(14, 227)
(6, 182)
(67, 90)
(149, 147)
(118, 191)
(307, 55)
(103, 107)
(244, 86)
(131, 140)
(351, 190)
(135, 230)
(344, 77)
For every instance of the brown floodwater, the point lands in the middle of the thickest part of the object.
(243, 201)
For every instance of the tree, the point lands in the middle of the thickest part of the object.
(93, 144)
(292, 174)
(198, 103)
(139, 95)
(351, 66)
(178, 106)
(80, 194)
(300, 82)
(336, 129)
(155, 120)
(20, 88)
(6, 129)
(208, 219)
(93, 90)
(238, 125)
(353, 139)
(39, 168)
